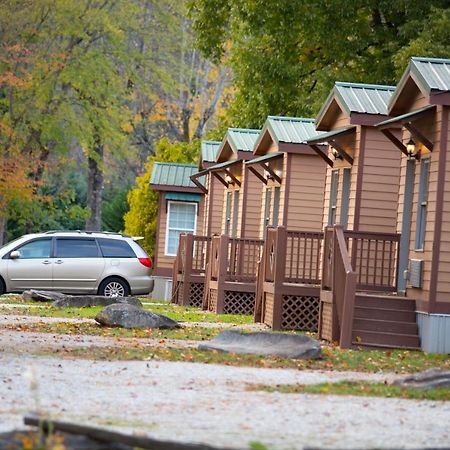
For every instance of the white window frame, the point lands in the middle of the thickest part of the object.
(166, 243)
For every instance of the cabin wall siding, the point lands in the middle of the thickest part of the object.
(430, 127)
(213, 206)
(250, 217)
(164, 261)
(379, 189)
(306, 193)
(443, 282)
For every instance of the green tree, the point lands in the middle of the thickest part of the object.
(286, 55)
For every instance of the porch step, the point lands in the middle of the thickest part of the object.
(384, 301)
(384, 321)
(396, 315)
(392, 340)
(385, 326)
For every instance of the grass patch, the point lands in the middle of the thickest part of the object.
(92, 329)
(358, 388)
(176, 312)
(398, 362)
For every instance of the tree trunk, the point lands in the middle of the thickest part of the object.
(2, 230)
(95, 189)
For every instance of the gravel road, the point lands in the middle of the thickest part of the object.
(207, 403)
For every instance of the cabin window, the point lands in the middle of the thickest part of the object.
(181, 218)
(235, 214)
(333, 197)
(276, 206)
(345, 197)
(228, 213)
(267, 204)
(422, 203)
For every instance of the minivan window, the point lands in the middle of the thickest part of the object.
(113, 248)
(40, 248)
(76, 248)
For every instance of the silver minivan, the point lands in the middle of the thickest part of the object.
(76, 262)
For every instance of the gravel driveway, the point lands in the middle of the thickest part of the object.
(208, 403)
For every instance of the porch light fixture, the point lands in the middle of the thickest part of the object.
(336, 154)
(228, 179)
(412, 149)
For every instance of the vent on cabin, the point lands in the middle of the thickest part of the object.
(415, 269)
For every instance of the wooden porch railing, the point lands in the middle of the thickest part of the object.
(191, 258)
(293, 255)
(236, 259)
(231, 260)
(339, 281)
(374, 257)
(353, 261)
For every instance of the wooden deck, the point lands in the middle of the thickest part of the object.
(231, 275)
(288, 280)
(358, 270)
(188, 278)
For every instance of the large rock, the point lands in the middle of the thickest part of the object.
(129, 316)
(429, 379)
(82, 301)
(42, 296)
(294, 346)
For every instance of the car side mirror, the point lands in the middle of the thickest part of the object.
(14, 254)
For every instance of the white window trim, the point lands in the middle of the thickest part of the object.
(169, 203)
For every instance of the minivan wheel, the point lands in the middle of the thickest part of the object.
(114, 287)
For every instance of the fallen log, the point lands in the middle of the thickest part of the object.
(100, 434)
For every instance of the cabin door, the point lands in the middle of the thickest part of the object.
(406, 224)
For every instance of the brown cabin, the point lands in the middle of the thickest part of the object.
(180, 210)
(420, 110)
(292, 175)
(292, 180)
(213, 188)
(363, 170)
(361, 247)
(241, 203)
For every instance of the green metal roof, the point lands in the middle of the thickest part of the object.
(331, 134)
(292, 130)
(223, 165)
(242, 139)
(407, 116)
(264, 158)
(360, 98)
(433, 72)
(209, 150)
(365, 98)
(173, 174)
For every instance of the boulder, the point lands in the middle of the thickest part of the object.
(129, 316)
(81, 301)
(429, 379)
(294, 346)
(42, 296)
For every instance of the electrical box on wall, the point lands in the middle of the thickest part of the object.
(415, 273)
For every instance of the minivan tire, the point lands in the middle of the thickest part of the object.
(114, 287)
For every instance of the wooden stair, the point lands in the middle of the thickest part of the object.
(385, 321)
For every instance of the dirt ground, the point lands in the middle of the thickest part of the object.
(192, 402)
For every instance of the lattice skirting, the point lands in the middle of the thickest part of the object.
(212, 304)
(196, 294)
(239, 302)
(326, 311)
(300, 312)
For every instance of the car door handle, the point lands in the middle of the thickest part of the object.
(59, 262)
(46, 262)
